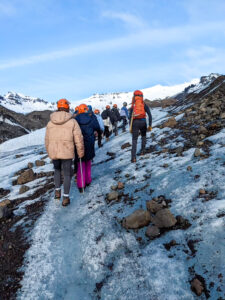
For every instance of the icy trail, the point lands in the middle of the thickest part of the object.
(82, 252)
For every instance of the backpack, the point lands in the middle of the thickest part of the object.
(138, 106)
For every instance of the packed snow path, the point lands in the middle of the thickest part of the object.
(82, 252)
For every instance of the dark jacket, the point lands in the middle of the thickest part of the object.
(116, 114)
(88, 125)
(107, 113)
(147, 110)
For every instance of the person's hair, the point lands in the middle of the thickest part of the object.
(63, 109)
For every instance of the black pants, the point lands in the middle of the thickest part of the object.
(106, 132)
(99, 138)
(124, 119)
(115, 125)
(64, 165)
(139, 125)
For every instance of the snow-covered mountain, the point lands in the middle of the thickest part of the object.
(24, 104)
(153, 93)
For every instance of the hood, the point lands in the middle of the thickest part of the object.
(60, 117)
(84, 119)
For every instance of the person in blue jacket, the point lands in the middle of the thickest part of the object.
(88, 125)
(124, 116)
(102, 127)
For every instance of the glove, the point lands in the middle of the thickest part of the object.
(149, 128)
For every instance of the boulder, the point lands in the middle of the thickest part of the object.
(138, 219)
(222, 116)
(120, 185)
(189, 168)
(153, 206)
(152, 232)
(39, 163)
(30, 165)
(26, 176)
(197, 287)
(5, 203)
(4, 192)
(23, 189)
(164, 219)
(112, 196)
(202, 192)
(171, 123)
(114, 187)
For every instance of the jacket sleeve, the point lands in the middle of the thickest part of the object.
(78, 139)
(47, 138)
(95, 123)
(149, 115)
(126, 111)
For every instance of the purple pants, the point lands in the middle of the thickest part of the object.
(86, 170)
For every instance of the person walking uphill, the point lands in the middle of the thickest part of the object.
(62, 132)
(124, 115)
(107, 120)
(138, 122)
(116, 118)
(101, 125)
(88, 125)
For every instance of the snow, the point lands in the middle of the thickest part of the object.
(33, 139)
(77, 247)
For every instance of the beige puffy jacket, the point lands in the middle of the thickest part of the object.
(62, 132)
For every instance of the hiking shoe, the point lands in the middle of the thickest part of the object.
(66, 201)
(99, 146)
(133, 160)
(81, 190)
(57, 194)
(107, 139)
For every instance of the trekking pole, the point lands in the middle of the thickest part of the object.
(131, 122)
(82, 180)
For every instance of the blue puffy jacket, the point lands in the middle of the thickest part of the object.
(100, 122)
(88, 126)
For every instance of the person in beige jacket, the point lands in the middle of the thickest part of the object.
(63, 134)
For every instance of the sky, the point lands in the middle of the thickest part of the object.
(75, 48)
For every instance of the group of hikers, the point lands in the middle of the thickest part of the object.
(70, 138)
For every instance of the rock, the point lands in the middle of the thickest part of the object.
(153, 206)
(112, 196)
(5, 203)
(202, 192)
(179, 150)
(222, 116)
(126, 145)
(114, 187)
(23, 189)
(189, 168)
(197, 152)
(5, 212)
(182, 223)
(200, 143)
(165, 166)
(19, 155)
(202, 130)
(138, 219)
(3, 192)
(39, 163)
(120, 185)
(30, 165)
(171, 123)
(26, 176)
(197, 287)
(152, 232)
(112, 154)
(164, 219)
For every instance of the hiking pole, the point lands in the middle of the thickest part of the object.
(82, 180)
(131, 122)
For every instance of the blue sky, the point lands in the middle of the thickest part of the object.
(74, 48)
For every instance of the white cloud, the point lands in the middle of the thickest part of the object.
(149, 37)
(128, 19)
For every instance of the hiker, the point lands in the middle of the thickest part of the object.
(101, 125)
(107, 120)
(62, 133)
(124, 115)
(116, 118)
(88, 125)
(75, 112)
(138, 123)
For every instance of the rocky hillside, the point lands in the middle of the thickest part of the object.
(14, 124)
